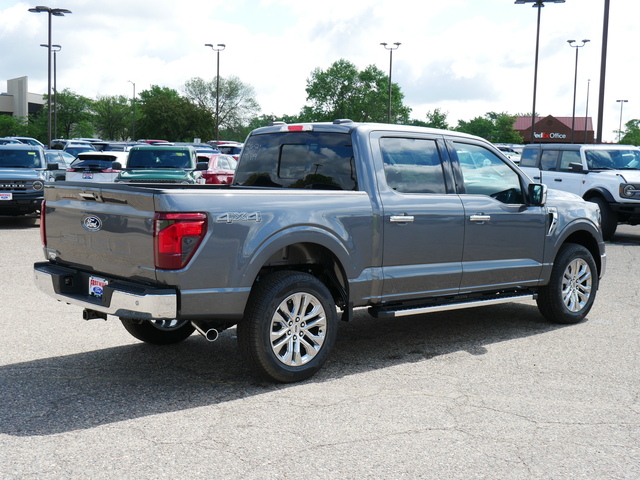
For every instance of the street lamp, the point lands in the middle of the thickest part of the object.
(536, 4)
(622, 102)
(55, 88)
(58, 12)
(586, 111)
(218, 48)
(575, 84)
(391, 49)
(133, 103)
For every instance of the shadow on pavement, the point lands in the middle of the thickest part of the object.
(8, 222)
(81, 391)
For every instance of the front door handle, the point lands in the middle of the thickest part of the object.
(480, 218)
(401, 218)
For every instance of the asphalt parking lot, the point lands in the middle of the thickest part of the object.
(488, 393)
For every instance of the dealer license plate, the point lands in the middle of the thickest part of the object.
(87, 175)
(96, 286)
(6, 196)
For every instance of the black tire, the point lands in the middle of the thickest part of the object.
(572, 288)
(609, 220)
(278, 339)
(158, 332)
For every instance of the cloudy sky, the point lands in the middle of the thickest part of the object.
(466, 57)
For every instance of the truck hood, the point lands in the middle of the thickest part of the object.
(160, 174)
(21, 174)
(627, 176)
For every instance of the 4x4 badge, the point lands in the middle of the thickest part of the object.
(92, 223)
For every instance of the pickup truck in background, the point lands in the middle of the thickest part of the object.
(23, 174)
(321, 217)
(608, 175)
(161, 164)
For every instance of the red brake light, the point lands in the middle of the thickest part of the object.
(176, 238)
(297, 128)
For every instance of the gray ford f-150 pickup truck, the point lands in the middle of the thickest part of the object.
(321, 218)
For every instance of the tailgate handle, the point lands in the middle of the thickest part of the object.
(91, 196)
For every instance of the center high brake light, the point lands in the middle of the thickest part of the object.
(176, 238)
(296, 128)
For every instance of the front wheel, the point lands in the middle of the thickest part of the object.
(572, 288)
(289, 327)
(158, 332)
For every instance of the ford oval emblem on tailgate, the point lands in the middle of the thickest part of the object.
(92, 223)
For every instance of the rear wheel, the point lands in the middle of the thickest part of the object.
(609, 220)
(289, 327)
(158, 332)
(572, 289)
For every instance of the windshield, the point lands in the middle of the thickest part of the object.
(613, 159)
(165, 158)
(20, 159)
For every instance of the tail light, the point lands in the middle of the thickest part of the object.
(176, 238)
(43, 230)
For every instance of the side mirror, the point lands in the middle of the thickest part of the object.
(537, 194)
(116, 166)
(202, 165)
(576, 167)
(53, 166)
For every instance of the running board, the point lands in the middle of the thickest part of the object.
(402, 312)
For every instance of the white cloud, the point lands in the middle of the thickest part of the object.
(467, 57)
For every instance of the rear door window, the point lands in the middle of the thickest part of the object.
(412, 165)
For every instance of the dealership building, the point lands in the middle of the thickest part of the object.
(552, 129)
(17, 100)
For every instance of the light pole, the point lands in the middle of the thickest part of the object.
(622, 102)
(391, 49)
(58, 12)
(133, 104)
(218, 48)
(536, 4)
(55, 87)
(575, 84)
(586, 112)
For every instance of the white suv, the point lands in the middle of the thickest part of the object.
(608, 175)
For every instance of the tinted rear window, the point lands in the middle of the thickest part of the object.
(298, 160)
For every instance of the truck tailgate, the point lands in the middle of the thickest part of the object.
(105, 228)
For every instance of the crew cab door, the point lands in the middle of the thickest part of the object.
(504, 237)
(556, 171)
(423, 222)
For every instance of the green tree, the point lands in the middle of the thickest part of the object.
(74, 115)
(164, 114)
(113, 117)
(344, 92)
(435, 119)
(631, 133)
(237, 103)
(13, 126)
(495, 127)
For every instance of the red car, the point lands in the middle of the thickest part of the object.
(220, 169)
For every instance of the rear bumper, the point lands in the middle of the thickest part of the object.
(122, 299)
